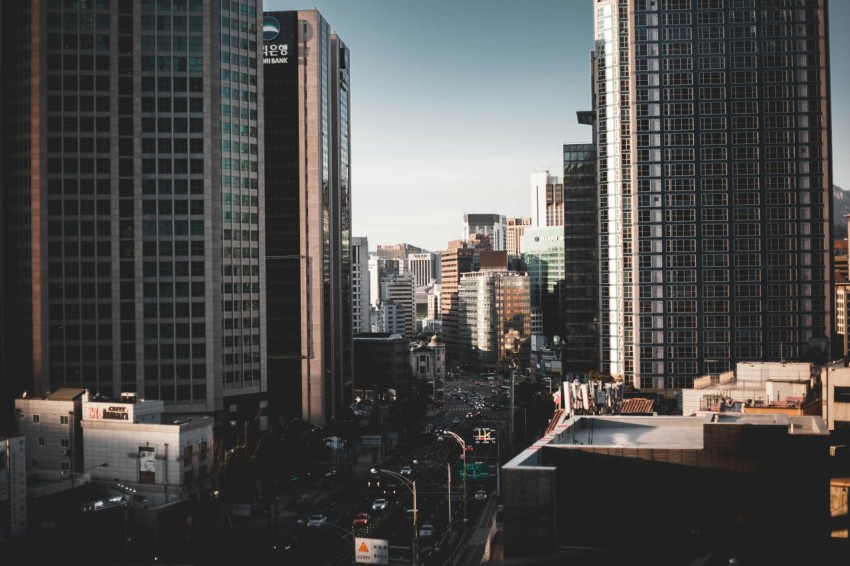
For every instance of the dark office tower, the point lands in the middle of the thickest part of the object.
(132, 191)
(308, 217)
(580, 332)
(714, 175)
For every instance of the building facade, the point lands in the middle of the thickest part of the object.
(361, 301)
(308, 216)
(513, 234)
(423, 268)
(455, 260)
(494, 317)
(484, 231)
(580, 334)
(547, 199)
(714, 177)
(131, 184)
(544, 257)
(397, 290)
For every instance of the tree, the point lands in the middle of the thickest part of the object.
(596, 375)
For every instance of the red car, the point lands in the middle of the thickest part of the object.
(361, 520)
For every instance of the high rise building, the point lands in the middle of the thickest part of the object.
(544, 258)
(513, 233)
(308, 216)
(484, 231)
(714, 177)
(547, 199)
(455, 260)
(398, 290)
(380, 268)
(423, 268)
(361, 302)
(494, 317)
(132, 191)
(580, 290)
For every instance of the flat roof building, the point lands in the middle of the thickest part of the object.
(750, 480)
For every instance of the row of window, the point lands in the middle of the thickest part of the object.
(175, 43)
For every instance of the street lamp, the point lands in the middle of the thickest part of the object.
(463, 457)
(411, 486)
(449, 480)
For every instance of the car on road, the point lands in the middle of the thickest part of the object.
(318, 520)
(406, 470)
(426, 530)
(480, 495)
(360, 520)
(380, 504)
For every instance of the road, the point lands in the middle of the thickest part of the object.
(467, 406)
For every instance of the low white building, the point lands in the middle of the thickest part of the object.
(163, 460)
(73, 439)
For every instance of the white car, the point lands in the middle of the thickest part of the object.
(480, 495)
(426, 530)
(380, 504)
(317, 520)
(406, 470)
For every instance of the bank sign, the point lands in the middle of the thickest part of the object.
(276, 42)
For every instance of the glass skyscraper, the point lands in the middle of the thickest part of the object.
(715, 180)
(131, 192)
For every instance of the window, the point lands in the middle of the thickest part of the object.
(36, 418)
(842, 395)
(41, 441)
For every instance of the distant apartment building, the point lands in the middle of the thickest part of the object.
(434, 302)
(513, 234)
(380, 268)
(360, 285)
(484, 231)
(307, 210)
(715, 181)
(547, 199)
(494, 317)
(842, 314)
(455, 260)
(397, 292)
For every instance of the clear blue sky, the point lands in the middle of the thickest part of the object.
(456, 102)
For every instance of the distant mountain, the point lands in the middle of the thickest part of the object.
(840, 207)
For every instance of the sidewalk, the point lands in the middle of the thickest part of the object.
(477, 547)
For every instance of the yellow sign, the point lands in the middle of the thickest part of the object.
(363, 547)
